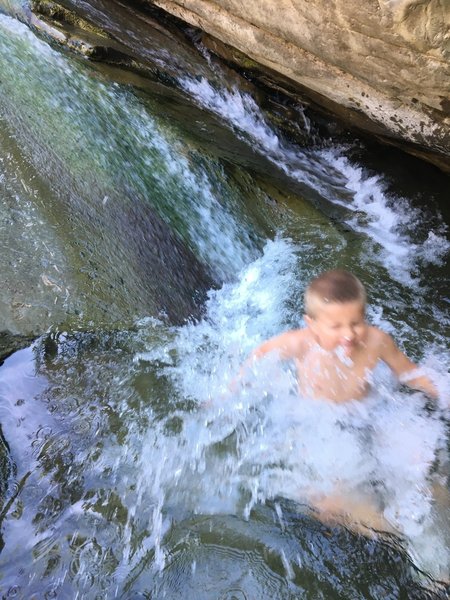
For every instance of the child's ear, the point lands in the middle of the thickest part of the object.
(307, 320)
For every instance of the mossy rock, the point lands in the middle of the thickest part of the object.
(56, 12)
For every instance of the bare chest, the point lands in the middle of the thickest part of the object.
(334, 376)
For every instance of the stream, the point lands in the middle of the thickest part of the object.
(151, 237)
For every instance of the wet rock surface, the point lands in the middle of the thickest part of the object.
(9, 343)
(382, 73)
(382, 69)
(384, 66)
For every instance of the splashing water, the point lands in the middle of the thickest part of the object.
(390, 222)
(263, 440)
(122, 452)
(387, 222)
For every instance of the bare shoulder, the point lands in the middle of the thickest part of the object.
(378, 336)
(288, 344)
(380, 342)
(297, 339)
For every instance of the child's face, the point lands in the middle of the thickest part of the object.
(339, 324)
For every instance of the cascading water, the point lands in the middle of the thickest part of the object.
(385, 221)
(140, 469)
(127, 149)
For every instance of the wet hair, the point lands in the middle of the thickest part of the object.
(333, 286)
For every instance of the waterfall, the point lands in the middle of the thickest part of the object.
(143, 463)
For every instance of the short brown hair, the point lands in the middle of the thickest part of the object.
(334, 286)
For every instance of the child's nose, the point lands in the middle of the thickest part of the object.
(349, 333)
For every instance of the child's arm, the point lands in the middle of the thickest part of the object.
(405, 370)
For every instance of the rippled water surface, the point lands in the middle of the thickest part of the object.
(146, 250)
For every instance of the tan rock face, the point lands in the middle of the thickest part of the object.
(385, 60)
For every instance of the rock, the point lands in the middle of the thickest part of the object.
(381, 65)
(67, 28)
(279, 537)
(9, 343)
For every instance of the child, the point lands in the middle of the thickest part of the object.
(334, 356)
(337, 351)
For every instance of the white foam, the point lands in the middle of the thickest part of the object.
(388, 222)
(239, 316)
(277, 443)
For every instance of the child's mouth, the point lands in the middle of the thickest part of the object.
(348, 345)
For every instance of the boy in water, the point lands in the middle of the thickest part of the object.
(337, 351)
(335, 355)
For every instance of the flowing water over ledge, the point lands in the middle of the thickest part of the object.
(133, 470)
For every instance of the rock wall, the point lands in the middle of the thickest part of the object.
(385, 62)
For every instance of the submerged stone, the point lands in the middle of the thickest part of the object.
(280, 552)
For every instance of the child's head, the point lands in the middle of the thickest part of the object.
(335, 310)
(336, 286)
